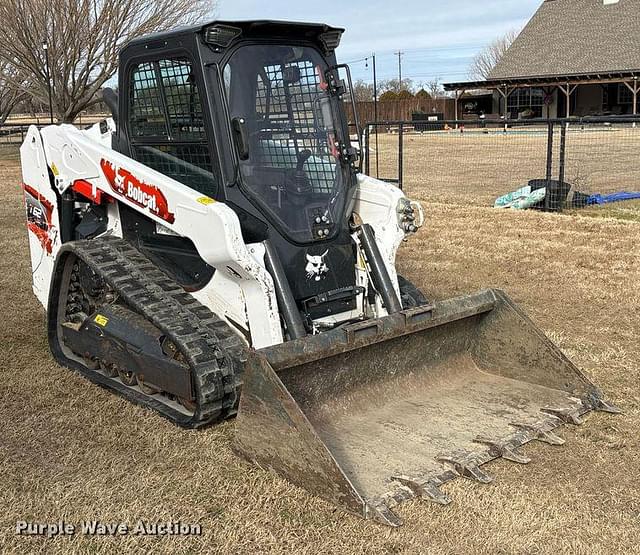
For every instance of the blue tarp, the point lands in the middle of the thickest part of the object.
(614, 197)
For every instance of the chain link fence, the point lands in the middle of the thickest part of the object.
(568, 162)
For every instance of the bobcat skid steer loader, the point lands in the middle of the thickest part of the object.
(213, 250)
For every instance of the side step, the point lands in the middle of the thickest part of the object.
(372, 415)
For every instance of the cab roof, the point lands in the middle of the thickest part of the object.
(261, 28)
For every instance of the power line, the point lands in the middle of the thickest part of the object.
(449, 70)
(430, 49)
(356, 61)
(446, 48)
(447, 75)
(401, 54)
(429, 74)
(416, 73)
(436, 71)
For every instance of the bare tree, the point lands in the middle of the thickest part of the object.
(486, 59)
(83, 39)
(13, 89)
(363, 91)
(434, 87)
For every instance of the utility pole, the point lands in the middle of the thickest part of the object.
(375, 108)
(399, 54)
(375, 111)
(375, 89)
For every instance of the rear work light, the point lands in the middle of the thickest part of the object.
(221, 35)
(331, 39)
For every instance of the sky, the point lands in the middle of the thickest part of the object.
(438, 38)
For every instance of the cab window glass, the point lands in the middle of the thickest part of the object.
(167, 123)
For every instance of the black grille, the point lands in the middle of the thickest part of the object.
(166, 111)
(184, 108)
(287, 99)
(187, 163)
(147, 114)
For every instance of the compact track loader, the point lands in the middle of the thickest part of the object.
(214, 250)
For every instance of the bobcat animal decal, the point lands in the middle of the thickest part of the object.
(316, 267)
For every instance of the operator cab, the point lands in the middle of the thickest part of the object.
(250, 114)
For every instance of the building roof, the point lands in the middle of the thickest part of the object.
(575, 37)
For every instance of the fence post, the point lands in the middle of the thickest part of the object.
(377, 152)
(367, 150)
(400, 154)
(563, 152)
(549, 165)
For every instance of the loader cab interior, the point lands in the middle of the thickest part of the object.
(290, 150)
(286, 128)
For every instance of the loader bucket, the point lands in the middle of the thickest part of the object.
(372, 414)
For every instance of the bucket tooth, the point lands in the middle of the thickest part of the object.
(426, 489)
(567, 415)
(538, 433)
(503, 449)
(601, 405)
(385, 515)
(466, 466)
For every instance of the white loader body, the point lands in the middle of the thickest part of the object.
(241, 289)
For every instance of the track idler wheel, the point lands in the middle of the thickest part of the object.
(109, 370)
(91, 363)
(187, 404)
(146, 388)
(127, 378)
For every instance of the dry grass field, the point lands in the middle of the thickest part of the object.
(72, 451)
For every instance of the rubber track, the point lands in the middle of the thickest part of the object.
(215, 353)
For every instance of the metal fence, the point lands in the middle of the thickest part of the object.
(477, 162)
(12, 133)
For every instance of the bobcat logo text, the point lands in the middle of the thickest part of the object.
(147, 196)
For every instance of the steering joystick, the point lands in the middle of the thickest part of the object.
(298, 184)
